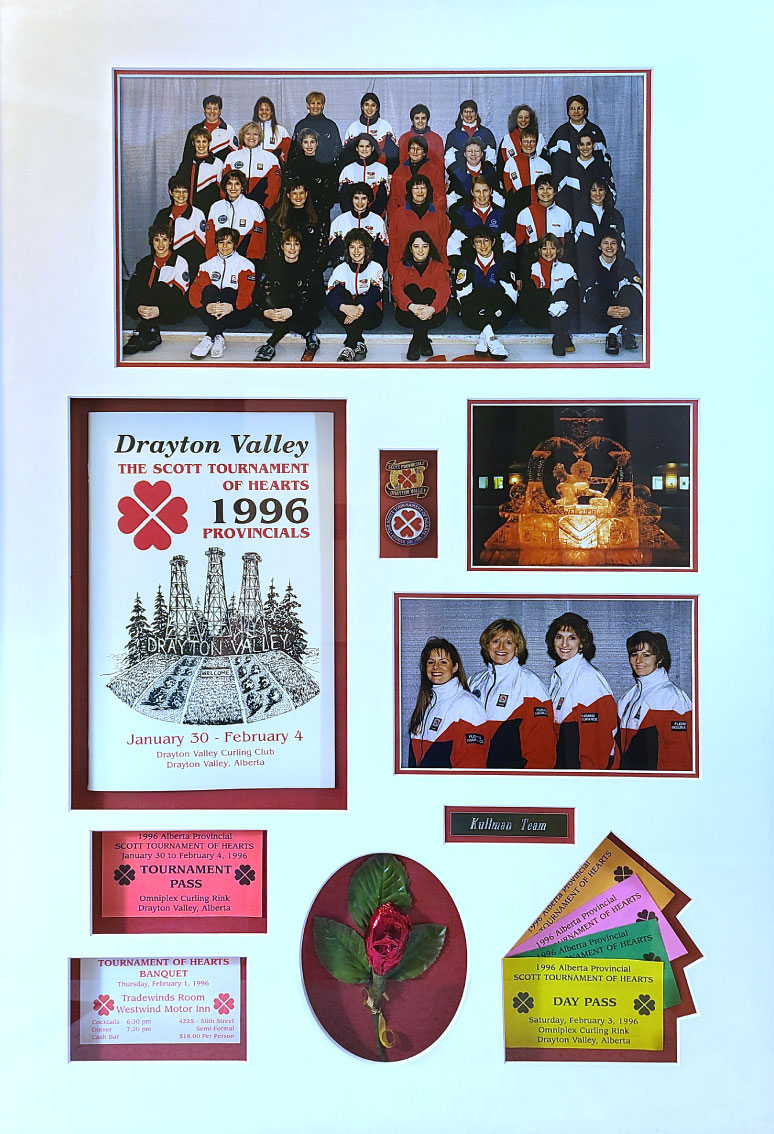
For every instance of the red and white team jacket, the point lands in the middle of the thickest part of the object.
(188, 225)
(223, 272)
(536, 221)
(223, 138)
(519, 716)
(520, 171)
(247, 218)
(373, 174)
(174, 272)
(371, 222)
(276, 140)
(511, 146)
(656, 732)
(203, 174)
(585, 716)
(346, 281)
(261, 169)
(452, 733)
(555, 275)
(378, 128)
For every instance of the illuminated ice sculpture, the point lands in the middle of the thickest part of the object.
(591, 515)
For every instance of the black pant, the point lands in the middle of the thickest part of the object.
(533, 308)
(485, 306)
(420, 327)
(628, 296)
(367, 321)
(236, 318)
(172, 305)
(301, 322)
(407, 318)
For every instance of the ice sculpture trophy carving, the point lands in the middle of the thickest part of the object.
(592, 515)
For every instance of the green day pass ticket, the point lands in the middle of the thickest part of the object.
(553, 1002)
(642, 942)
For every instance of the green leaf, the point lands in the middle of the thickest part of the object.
(422, 950)
(341, 950)
(381, 878)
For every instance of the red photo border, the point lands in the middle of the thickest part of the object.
(693, 405)
(81, 798)
(552, 773)
(467, 809)
(132, 1052)
(228, 923)
(646, 72)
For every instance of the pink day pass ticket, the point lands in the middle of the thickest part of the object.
(623, 904)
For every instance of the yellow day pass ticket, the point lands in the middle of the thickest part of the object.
(554, 1002)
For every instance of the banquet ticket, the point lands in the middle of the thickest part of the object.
(164, 1000)
(553, 1002)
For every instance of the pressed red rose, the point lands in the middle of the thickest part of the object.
(388, 932)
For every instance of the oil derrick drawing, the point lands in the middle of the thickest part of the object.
(249, 619)
(215, 605)
(181, 621)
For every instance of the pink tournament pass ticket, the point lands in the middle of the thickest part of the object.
(623, 904)
(182, 874)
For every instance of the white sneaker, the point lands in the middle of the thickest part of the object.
(218, 346)
(496, 349)
(203, 348)
(482, 346)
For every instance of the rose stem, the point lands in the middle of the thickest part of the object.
(382, 1054)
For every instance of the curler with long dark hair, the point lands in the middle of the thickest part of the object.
(287, 214)
(425, 694)
(408, 257)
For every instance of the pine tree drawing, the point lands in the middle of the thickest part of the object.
(139, 632)
(270, 612)
(290, 626)
(160, 616)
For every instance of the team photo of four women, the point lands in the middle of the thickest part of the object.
(504, 718)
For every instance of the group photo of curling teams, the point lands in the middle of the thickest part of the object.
(606, 690)
(467, 218)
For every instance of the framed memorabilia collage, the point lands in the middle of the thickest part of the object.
(383, 566)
